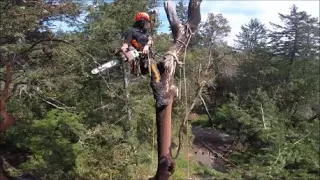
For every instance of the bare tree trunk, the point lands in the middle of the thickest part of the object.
(162, 83)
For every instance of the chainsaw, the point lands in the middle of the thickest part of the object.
(132, 56)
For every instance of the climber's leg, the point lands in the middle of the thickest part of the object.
(156, 84)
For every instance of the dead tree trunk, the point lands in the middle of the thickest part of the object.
(162, 83)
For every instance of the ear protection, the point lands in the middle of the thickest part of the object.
(141, 16)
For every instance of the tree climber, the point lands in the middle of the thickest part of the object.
(137, 38)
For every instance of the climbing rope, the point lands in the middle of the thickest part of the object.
(153, 130)
(185, 94)
(180, 83)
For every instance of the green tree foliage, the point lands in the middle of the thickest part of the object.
(272, 119)
(70, 123)
(214, 29)
(253, 36)
(297, 44)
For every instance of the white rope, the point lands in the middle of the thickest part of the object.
(186, 98)
(173, 54)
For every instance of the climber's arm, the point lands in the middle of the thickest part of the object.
(147, 46)
(127, 41)
(150, 41)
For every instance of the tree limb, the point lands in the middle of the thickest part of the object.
(71, 44)
(194, 15)
(173, 18)
(262, 114)
(62, 106)
(207, 110)
(279, 154)
(15, 86)
(218, 155)
(201, 85)
(199, 91)
(58, 107)
(302, 138)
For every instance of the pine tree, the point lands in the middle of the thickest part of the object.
(255, 58)
(253, 36)
(298, 37)
(214, 30)
(296, 43)
(24, 27)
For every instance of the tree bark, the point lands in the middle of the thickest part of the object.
(163, 87)
(8, 119)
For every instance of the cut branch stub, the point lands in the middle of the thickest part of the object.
(163, 87)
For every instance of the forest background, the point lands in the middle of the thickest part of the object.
(58, 121)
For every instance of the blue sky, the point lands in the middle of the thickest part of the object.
(240, 12)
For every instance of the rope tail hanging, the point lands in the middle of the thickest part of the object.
(180, 75)
(153, 14)
(183, 124)
(186, 98)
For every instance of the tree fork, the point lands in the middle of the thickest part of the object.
(162, 84)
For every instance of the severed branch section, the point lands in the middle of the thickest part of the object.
(163, 86)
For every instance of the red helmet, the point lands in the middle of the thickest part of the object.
(142, 16)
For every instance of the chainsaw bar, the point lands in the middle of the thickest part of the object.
(105, 66)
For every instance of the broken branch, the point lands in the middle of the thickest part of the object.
(262, 114)
(219, 155)
(207, 110)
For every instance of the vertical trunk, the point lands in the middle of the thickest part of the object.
(8, 119)
(165, 161)
(163, 86)
(126, 76)
(292, 54)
